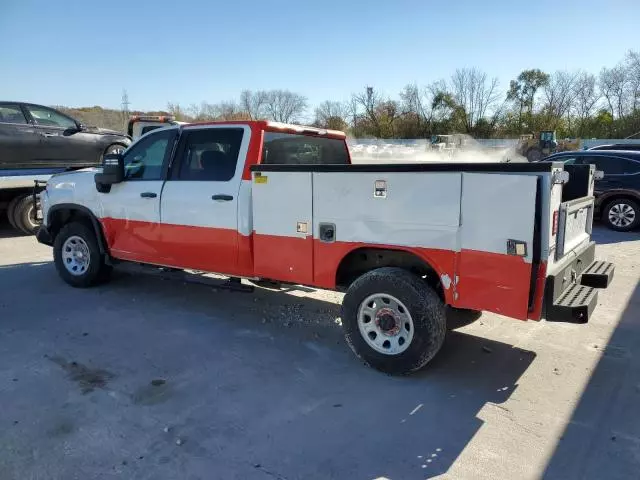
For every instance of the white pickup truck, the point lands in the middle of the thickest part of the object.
(260, 200)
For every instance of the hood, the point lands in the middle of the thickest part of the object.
(104, 131)
(75, 172)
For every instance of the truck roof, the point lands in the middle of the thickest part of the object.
(277, 127)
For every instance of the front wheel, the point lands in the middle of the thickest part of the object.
(77, 257)
(393, 320)
(621, 214)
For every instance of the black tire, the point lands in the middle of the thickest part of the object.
(24, 215)
(96, 272)
(461, 317)
(11, 211)
(424, 306)
(114, 148)
(534, 155)
(621, 204)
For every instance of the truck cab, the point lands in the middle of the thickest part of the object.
(262, 200)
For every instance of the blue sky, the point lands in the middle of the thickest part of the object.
(83, 53)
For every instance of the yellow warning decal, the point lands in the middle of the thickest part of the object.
(261, 179)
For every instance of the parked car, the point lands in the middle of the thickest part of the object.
(635, 147)
(35, 136)
(618, 192)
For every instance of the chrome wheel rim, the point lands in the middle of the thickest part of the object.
(75, 255)
(385, 324)
(622, 215)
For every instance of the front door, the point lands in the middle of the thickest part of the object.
(200, 200)
(19, 141)
(62, 143)
(130, 212)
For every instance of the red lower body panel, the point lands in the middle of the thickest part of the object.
(472, 279)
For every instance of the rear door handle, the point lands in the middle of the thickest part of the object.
(222, 198)
(148, 195)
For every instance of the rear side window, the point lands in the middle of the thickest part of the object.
(612, 165)
(11, 114)
(209, 154)
(295, 149)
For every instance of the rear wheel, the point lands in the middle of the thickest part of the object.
(534, 155)
(25, 216)
(11, 208)
(77, 256)
(393, 320)
(621, 214)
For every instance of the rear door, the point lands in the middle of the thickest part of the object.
(202, 198)
(498, 216)
(131, 210)
(19, 141)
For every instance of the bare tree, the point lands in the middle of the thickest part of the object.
(633, 75)
(284, 105)
(558, 96)
(586, 96)
(254, 104)
(613, 85)
(331, 114)
(475, 93)
(370, 100)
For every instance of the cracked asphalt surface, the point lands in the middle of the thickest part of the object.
(154, 378)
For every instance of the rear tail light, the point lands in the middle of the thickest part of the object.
(554, 225)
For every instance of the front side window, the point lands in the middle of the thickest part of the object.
(11, 114)
(48, 117)
(209, 154)
(296, 149)
(145, 159)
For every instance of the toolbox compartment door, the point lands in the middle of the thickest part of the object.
(499, 240)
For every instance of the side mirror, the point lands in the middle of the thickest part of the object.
(80, 126)
(112, 172)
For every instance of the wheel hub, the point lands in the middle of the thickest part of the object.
(75, 255)
(387, 322)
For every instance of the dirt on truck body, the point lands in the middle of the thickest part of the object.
(261, 200)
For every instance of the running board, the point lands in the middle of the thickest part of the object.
(574, 305)
(598, 275)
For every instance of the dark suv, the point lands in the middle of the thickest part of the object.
(618, 192)
(33, 136)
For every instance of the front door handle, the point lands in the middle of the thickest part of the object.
(49, 135)
(148, 195)
(222, 198)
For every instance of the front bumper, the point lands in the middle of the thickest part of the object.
(44, 236)
(571, 294)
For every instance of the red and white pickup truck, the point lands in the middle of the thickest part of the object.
(261, 200)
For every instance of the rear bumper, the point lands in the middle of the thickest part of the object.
(571, 293)
(44, 236)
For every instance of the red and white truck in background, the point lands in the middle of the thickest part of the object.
(261, 200)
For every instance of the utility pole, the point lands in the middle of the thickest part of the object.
(125, 108)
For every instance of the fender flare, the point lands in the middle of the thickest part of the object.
(87, 213)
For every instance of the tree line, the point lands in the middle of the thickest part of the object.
(574, 103)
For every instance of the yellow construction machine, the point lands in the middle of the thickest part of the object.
(536, 147)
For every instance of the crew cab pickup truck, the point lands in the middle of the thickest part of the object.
(261, 200)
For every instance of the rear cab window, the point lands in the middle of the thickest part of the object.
(299, 149)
